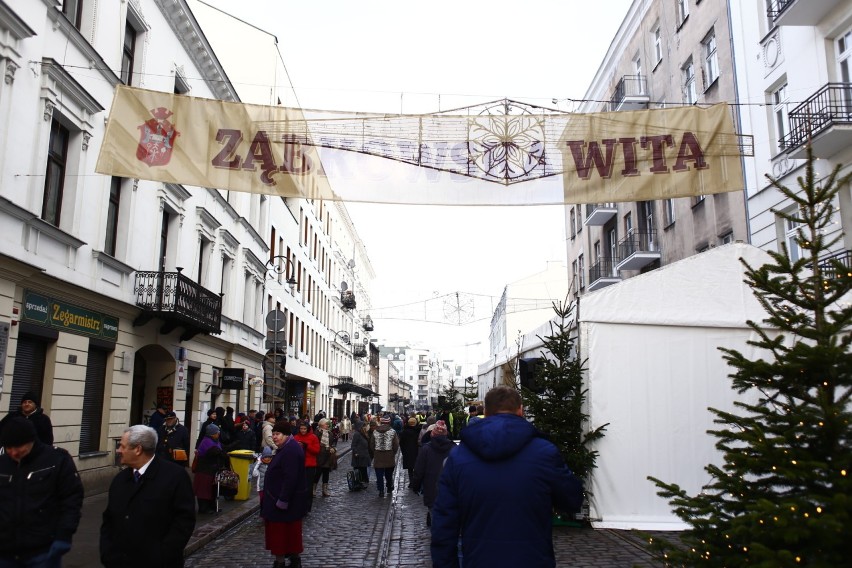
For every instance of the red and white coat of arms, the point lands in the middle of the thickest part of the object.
(156, 138)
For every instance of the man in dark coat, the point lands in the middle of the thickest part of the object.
(430, 464)
(158, 417)
(173, 436)
(30, 408)
(502, 461)
(41, 498)
(150, 512)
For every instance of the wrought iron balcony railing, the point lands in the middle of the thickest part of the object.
(630, 86)
(776, 7)
(359, 351)
(638, 241)
(178, 301)
(603, 268)
(830, 106)
(837, 265)
(347, 300)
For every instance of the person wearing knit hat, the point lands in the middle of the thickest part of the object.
(211, 457)
(41, 512)
(30, 408)
(429, 464)
(384, 444)
(408, 446)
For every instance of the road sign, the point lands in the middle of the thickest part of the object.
(275, 320)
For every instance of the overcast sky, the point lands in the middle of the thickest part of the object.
(419, 57)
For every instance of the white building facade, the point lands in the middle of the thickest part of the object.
(117, 294)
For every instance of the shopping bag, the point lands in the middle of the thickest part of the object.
(353, 480)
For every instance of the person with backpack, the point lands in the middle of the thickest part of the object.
(429, 465)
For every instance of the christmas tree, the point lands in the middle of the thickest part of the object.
(783, 496)
(558, 404)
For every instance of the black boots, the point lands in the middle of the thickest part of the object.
(295, 561)
(428, 518)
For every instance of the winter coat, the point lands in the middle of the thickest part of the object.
(360, 450)
(158, 514)
(327, 441)
(385, 444)
(211, 456)
(311, 446)
(41, 421)
(285, 480)
(40, 500)
(408, 445)
(502, 461)
(175, 438)
(243, 440)
(430, 463)
(266, 436)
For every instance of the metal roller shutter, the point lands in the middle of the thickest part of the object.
(93, 401)
(29, 368)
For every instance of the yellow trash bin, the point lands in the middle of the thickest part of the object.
(240, 461)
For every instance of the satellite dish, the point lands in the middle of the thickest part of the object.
(344, 286)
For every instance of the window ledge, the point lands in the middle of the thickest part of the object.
(669, 226)
(682, 22)
(90, 455)
(112, 262)
(698, 204)
(711, 85)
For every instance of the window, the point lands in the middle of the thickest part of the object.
(668, 211)
(711, 62)
(93, 400)
(844, 63)
(628, 224)
(682, 8)
(164, 241)
(690, 96)
(613, 244)
(73, 10)
(112, 216)
(698, 199)
(128, 54)
(727, 238)
(54, 182)
(658, 45)
(581, 268)
(791, 232)
(573, 216)
(637, 71)
(780, 105)
(596, 252)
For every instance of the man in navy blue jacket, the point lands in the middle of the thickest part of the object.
(498, 491)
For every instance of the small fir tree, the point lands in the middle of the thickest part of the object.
(783, 496)
(558, 405)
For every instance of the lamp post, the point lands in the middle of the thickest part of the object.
(275, 360)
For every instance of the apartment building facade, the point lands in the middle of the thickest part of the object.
(793, 71)
(665, 53)
(117, 294)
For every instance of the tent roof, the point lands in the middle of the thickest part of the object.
(703, 290)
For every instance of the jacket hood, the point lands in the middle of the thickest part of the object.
(498, 437)
(441, 444)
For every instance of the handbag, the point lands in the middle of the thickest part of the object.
(179, 455)
(229, 482)
(194, 465)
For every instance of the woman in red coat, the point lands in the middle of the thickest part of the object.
(311, 445)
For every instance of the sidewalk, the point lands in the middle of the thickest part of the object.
(85, 551)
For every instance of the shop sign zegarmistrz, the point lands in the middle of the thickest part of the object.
(50, 312)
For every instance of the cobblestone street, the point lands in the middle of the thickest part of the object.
(361, 529)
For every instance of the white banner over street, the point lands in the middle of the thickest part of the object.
(602, 157)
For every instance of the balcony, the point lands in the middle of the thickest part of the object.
(368, 324)
(603, 274)
(824, 119)
(637, 250)
(178, 302)
(598, 214)
(800, 12)
(631, 93)
(359, 351)
(837, 265)
(347, 300)
(345, 385)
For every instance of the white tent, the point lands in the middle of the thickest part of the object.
(653, 370)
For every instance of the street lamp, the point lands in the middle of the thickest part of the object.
(275, 266)
(275, 361)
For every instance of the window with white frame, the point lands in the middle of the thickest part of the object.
(780, 106)
(637, 71)
(54, 178)
(580, 269)
(690, 95)
(113, 203)
(844, 66)
(573, 216)
(658, 45)
(727, 238)
(682, 9)
(73, 10)
(791, 232)
(711, 61)
(128, 53)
